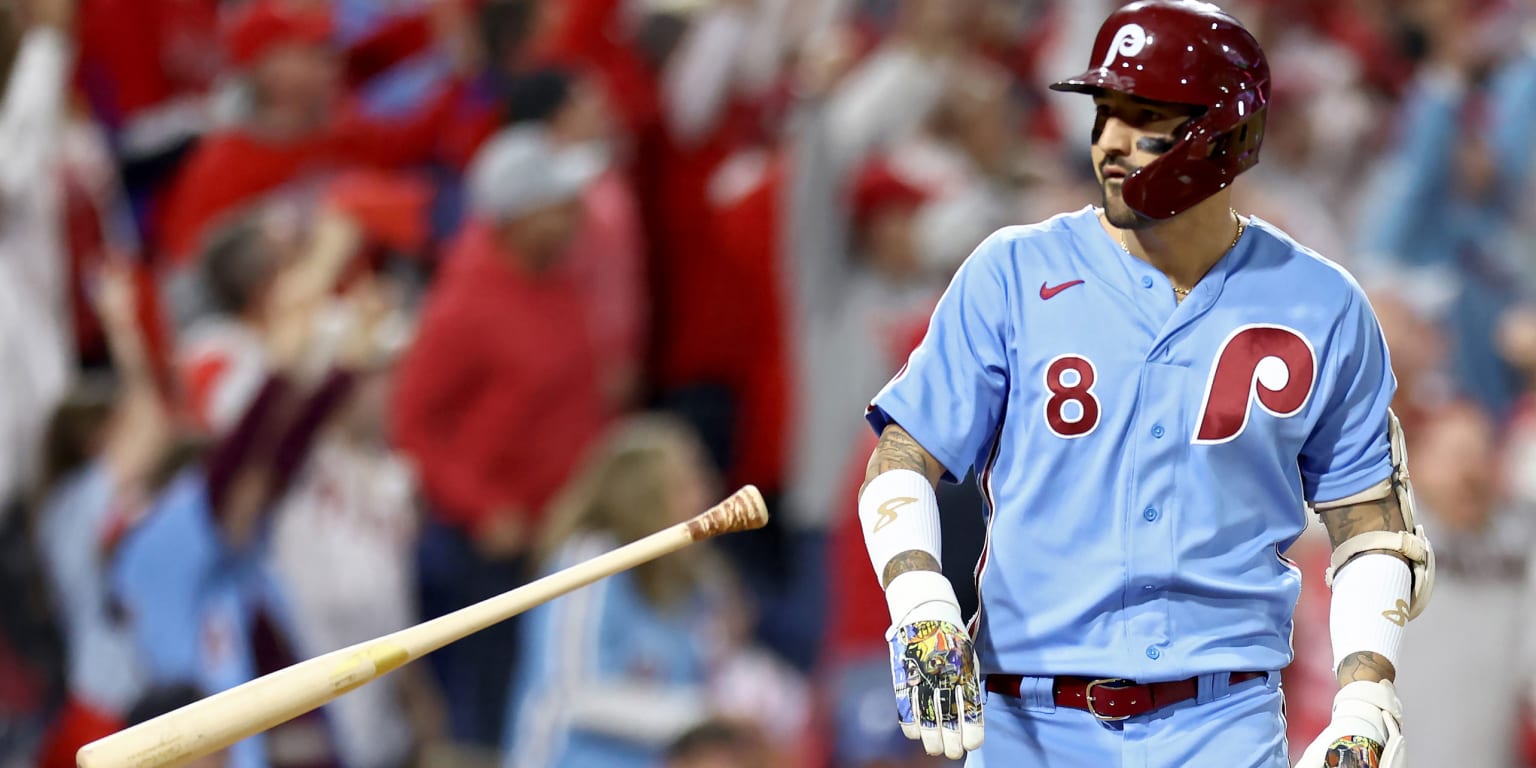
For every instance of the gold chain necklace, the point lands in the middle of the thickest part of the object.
(1184, 292)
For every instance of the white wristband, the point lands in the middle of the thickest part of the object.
(1370, 606)
(922, 596)
(898, 513)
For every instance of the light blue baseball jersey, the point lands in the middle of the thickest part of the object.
(1145, 462)
(193, 600)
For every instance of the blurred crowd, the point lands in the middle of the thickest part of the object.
(319, 318)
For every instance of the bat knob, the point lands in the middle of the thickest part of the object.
(743, 511)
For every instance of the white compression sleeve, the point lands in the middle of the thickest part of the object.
(898, 513)
(1369, 607)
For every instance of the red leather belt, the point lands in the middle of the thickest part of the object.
(1110, 699)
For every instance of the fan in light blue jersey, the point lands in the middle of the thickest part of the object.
(610, 674)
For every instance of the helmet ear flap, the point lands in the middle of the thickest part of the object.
(1202, 162)
(1242, 142)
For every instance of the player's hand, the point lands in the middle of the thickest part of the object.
(1366, 730)
(938, 690)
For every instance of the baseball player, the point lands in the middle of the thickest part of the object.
(1153, 393)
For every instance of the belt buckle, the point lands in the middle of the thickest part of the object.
(1106, 681)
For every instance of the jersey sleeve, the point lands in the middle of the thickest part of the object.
(950, 394)
(1348, 450)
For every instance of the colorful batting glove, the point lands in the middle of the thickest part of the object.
(938, 688)
(1366, 730)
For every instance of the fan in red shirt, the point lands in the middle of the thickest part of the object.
(297, 125)
(146, 66)
(499, 397)
(608, 253)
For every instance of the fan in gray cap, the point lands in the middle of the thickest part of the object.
(520, 171)
(528, 189)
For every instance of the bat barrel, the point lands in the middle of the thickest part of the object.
(214, 723)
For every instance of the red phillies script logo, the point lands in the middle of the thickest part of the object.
(1048, 292)
(1269, 363)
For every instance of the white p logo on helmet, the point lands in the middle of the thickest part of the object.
(1129, 42)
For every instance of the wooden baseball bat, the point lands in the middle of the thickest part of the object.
(224, 718)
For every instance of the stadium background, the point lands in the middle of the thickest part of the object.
(320, 318)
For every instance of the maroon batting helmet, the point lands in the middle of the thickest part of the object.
(1191, 53)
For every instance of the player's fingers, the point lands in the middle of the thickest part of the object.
(952, 746)
(972, 735)
(906, 713)
(927, 720)
(949, 706)
(933, 743)
(972, 728)
(906, 705)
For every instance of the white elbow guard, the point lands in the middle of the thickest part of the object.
(1413, 544)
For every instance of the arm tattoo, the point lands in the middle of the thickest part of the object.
(1365, 665)
(1382, 514)
(897, 450)
(910, 560)
(1345, 523)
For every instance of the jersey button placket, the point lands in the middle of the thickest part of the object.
(1151, 558)
(1146, 281)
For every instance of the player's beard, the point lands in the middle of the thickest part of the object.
(1112, 197)
(1119, 214)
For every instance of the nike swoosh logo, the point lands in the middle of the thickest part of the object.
(1048, 292)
